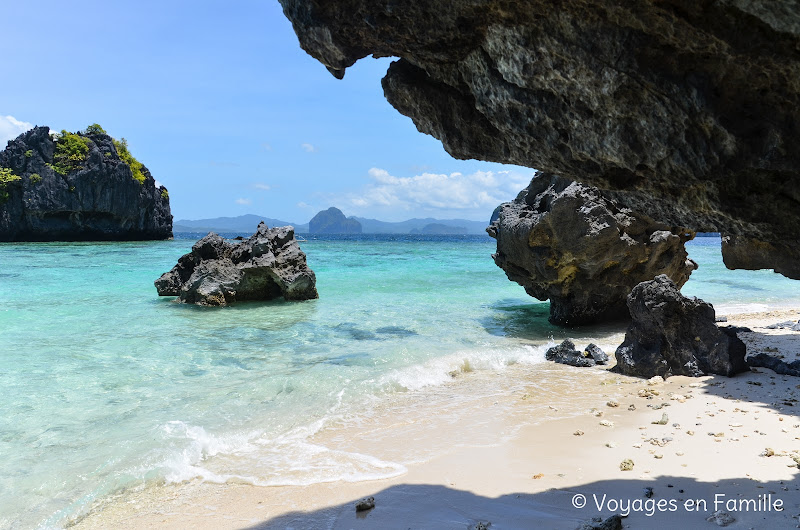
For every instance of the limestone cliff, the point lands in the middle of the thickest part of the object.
(686, 109)
(78, 186)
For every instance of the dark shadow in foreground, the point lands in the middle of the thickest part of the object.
(676, 502)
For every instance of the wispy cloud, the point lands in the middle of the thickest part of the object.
(244, 202)
(261, 186)
(301, 204)
(266, 146)
(308, 148)
(478, 191)
(10, 128)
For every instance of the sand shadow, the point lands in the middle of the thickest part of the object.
(676, 502)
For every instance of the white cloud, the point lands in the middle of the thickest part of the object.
(308, 148)
(244, 202)
(10, 128)
(301, 204)
(266, 146)
(261, 186)
(478, 191)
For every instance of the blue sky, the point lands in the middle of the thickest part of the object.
(225, 109)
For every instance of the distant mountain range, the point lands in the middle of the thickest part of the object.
(247, 224)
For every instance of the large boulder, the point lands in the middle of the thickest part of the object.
(269, 264)
(78, 186)
(333, 221)
(689, 109)
(671, 334)
(565, 242)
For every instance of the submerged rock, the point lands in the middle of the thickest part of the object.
(688, 109)
(671, 334)
(779, 366)
(566, 242)
(82, 186)
(269, 264)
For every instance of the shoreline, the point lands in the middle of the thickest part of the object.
(512, 455)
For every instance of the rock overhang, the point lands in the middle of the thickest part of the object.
(689, 110)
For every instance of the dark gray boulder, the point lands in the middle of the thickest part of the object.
(688, 108)
(566, 242)
(779, 366)
(671, 334)
(594, 351)
(333, 221)
(95, 195)
(565, 353)
(269, 264)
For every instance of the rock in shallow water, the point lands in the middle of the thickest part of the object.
(671, 334)
(565, 242)
(269, 264)
(565, 353)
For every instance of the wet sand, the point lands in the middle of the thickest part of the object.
(531, 445)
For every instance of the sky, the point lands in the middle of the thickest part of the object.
(227, 111)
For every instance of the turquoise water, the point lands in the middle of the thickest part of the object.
(106, 386)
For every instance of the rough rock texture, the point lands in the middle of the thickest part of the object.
(598, 523)
(688, 109)
(565, 353)
(599, 356)
(100, 200)
(333, 221)
(776, 365)
(267, 265)
(674, 335)
(565, 242)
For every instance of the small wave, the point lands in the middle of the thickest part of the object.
(290, 459)
(441, 370)
(733, 309)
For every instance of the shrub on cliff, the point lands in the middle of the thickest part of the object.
(6, 177)
(94, 128)
(126, 156)
(71, 150)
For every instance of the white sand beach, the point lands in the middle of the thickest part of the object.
(538, 453)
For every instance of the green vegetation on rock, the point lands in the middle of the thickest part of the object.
(94, 128)
(29, 153)
(164, 193)
(71, 150)
(35, 178)
(6, 177)
(126, 156)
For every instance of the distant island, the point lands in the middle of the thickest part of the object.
(333, 221)
(245, 223)
(439, 228)
(83, 186)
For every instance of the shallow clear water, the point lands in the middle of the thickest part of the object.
(106, 385)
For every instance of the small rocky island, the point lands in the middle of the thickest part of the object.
(267, 265)
(83, 186)
(333, 221)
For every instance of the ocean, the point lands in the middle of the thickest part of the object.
(108, 387)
